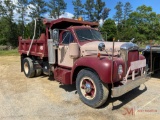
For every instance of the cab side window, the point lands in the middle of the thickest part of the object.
(67, 37)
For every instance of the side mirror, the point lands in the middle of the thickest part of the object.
(74, 51)
(148, 47)
(132, 40)
(55, 36)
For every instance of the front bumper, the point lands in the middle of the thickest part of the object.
(131, 84)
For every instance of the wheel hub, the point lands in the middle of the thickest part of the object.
(88, 88)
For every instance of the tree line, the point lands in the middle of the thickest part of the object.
(142, 24)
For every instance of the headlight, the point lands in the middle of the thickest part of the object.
(120, 69)
(101, 46)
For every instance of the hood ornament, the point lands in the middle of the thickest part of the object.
(132, 40)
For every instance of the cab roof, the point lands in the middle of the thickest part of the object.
(63, 23)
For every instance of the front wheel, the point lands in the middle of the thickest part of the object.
(90, 88)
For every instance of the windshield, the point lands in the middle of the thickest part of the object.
(88, 34)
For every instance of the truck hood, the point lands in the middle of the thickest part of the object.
(91, 48)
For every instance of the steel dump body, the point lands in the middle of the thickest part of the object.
(39, 46)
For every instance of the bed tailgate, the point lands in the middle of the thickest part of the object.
(38, 48)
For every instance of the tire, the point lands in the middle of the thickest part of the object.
(28, 67)
(90, 88)
(38, 72)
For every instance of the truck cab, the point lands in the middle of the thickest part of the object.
(75, 52)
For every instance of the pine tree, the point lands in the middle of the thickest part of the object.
(119, 12)
(8, 9)
(38, 8)
(78, 8)
(57, 8)
(127, 10)
(99, 6)
(118, 17)
(105, 13)
(9, 33)
(89, 7)
(22, 10)
(1, 9)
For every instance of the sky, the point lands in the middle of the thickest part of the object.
(109, 4)
(155, 4)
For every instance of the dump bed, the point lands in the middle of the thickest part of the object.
(38, 48)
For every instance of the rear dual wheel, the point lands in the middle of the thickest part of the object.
(38, 72)
(28, 68)
(90, 88)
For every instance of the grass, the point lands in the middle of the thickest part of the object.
(13, 52)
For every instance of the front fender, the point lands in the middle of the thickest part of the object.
(102, 66)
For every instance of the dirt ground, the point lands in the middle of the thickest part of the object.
(39, 98)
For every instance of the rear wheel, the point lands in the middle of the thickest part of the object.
(38, 72)
(28, 67)
(90, 88)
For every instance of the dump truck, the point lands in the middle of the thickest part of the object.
(152, 55)
(74, 52)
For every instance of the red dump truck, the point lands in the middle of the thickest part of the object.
(74, 51)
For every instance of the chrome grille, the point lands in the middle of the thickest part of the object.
(129, 52)
(132, 56)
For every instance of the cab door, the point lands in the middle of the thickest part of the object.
(63, 50)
